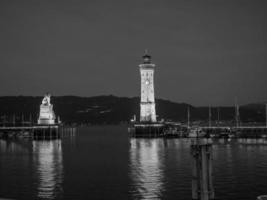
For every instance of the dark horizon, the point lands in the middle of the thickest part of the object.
(206, 53)
(133, 97)
(114, 110)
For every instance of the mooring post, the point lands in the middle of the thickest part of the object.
(202, 185)
(195, 175)
(210, 170)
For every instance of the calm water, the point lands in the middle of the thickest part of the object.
(103, 163)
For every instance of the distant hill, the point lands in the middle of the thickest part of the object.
(113, 110)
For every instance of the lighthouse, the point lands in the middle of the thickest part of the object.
(148, 125)
(147, 104)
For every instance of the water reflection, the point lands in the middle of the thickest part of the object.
(245, 141)
(7, 146)
(146, 168)
(252, 141)
(49, 165)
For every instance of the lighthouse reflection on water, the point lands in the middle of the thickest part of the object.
(146, 168)
(48, 158)
(159, 168)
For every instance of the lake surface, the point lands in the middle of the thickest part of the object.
(104, 163)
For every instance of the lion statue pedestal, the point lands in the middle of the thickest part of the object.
(47, 115)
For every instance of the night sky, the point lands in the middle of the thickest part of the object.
(206, 52)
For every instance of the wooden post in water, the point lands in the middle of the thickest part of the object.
(202, 184)
(195, 180)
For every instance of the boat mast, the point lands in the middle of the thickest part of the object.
(237, 113)
(209, 116)
(188, 117)
(218, 115)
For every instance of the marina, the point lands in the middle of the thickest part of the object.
(174, 130)
(143, 167)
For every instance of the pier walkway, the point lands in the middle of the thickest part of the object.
(32, 132)
(5, 128)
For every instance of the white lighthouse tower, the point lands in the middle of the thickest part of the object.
(147, 104)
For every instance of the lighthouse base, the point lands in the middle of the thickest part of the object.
(47, 115)
(147, 130)
(46, 121)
